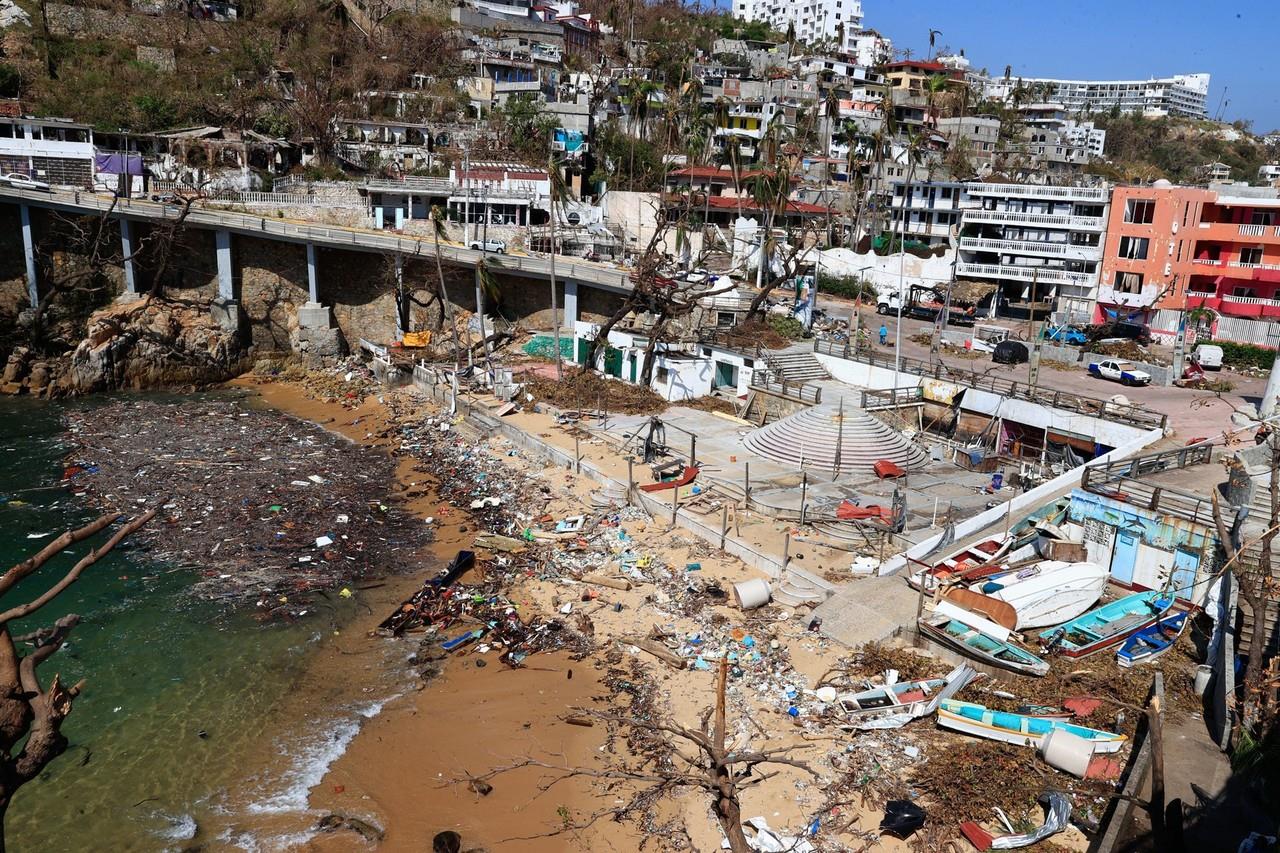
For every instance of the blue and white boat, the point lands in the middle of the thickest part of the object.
(979, 638)
(1108, 625)
(1151, 642)
(1017, 729)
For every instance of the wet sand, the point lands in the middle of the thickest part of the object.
(398, 771)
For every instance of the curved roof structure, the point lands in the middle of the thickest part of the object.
(814, 436)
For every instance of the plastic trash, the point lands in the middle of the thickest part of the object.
(1057, 813)
(902, 817)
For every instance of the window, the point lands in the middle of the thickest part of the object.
(1128, 282)
(1140, 211)
(1262, 217)
(1251, 256)
(663, 375)
(1134, 248)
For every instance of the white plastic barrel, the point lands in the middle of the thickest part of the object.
(1067, 752)
(1204, 672)
(751, 594)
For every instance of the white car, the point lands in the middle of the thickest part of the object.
(23, 182)
(1118, 370)
(488, 246)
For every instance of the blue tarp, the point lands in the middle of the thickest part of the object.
(118, 164)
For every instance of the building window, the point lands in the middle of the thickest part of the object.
(1139, 211)
(663, 375)
(1262, 217)
(1134, 248)
(1128, 282)
(1251, 256)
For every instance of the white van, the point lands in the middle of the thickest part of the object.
(1208, 356)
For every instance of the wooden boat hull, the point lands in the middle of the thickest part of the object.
(1150, 643)
(1018, 729)
(1107, 626)
(972, 561)
(890, 707)
(963, 635)
(1057, 593)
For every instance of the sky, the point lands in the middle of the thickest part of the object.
(1106, 39)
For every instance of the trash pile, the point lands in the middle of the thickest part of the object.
(266, 507)
(591, 391)
(348, 381)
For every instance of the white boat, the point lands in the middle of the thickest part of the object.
(972, 561)
(891, 706)
(1017, 729)
(1049, 593)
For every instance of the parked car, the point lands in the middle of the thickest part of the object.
(1118, 370)
(1071, 335)
(1208, 356)
(1010, 352)
(1119, 331)
(498, 246)
(23, 182)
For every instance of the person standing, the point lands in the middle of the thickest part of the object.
(884, 334)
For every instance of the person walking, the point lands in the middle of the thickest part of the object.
(884, 334)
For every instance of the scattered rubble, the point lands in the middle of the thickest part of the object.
(580, 391)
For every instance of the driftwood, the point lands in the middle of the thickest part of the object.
(658, 650)
(612, 583)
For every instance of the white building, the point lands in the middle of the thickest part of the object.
(1039, 243)
(55, 151)
(933, 209)
(813, 20)
(1083, 134)
(1180, 95)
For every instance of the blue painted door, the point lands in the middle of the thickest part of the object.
(1124, 556)
(1185, 564)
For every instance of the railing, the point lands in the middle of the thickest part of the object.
(1247, 266)
(1251, 230)
(1031, 247)
(1021, 273)
(1011, 216)
(1033, 191)
(1130, 414)
(1243, 300)
(892, 398)
(773, 383)
(1137, 467)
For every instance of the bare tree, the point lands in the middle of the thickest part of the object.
(698, 759)
(31, 714)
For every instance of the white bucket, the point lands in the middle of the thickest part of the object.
(1204, 672)
(751, 594)
(1068, 752)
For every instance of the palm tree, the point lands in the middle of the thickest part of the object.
(638, 103)
(933, 34)
(446, 307)
(934, 86)
(559, 191)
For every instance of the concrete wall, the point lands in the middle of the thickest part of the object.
(1160, 375)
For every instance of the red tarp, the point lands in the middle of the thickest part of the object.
(885, 469)
(685, 478)
(850, 511)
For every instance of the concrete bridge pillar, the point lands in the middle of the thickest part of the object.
(316, 332)
(570, 304)
(29, 250)
(127, 249)
(225, 308)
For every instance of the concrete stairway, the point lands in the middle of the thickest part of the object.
(796, 587)
(797, 367)
(813, 436)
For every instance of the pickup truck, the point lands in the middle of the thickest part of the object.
(1119, 371)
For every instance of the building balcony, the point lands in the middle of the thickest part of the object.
(1232, 232)
(1042, 275)
(512, 87)
(1144, 298)
(1044, 220)
(1099, 194)
(1035, 248)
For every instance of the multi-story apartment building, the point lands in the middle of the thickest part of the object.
(1040, 244)
(812, 20)
(55, 151)
(1171, 249)
(932, 210)
(1180, 95)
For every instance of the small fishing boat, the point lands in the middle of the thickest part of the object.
(971, 562)
(1108, 625)
(1049, 593)
(1017, 729)
(1151, 642)
(979, 638)
(890, 706)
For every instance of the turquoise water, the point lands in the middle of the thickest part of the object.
(179, 693)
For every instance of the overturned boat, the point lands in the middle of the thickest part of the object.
(891, 706)
(980, 638)
(1049, 593)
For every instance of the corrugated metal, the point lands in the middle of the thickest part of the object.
(1245, 331)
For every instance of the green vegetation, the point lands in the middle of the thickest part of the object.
(848, 286)
(1246, 355)
(1143, 149)
(787, 326)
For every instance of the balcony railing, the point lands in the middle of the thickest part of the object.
(1019, 218)
(1032, 247)
(1033, 191)
(1039, 274)
(1247, 300)
(1248, 266)
(1252, 230)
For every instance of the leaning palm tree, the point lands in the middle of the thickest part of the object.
(935, 85)
(446, 307)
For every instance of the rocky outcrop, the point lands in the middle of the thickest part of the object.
(150, 343)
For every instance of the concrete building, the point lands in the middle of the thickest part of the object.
(812, 20)
(53, 151)
(932, 210)
(1041, 244)
(1269, 174)
(1180, 95)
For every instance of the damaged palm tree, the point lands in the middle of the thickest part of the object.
(31, 715)
(686, 759)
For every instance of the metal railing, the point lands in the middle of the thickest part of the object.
(1025, 273)
(1064, 220)
(1137, 467)
(772, 382)
(1251, 230)
(1032, 247)
(1034, 191)
(891, 398)
(1105, 409)
(333, 236)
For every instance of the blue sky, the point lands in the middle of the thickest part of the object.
(1101, 39)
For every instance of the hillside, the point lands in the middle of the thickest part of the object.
(1145, 149)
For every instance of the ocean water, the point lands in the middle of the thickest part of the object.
(189, 720)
